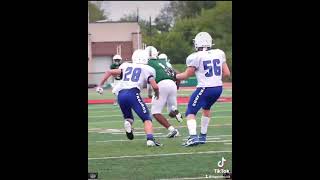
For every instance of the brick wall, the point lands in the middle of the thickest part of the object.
(110, 49)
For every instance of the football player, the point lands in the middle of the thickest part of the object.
(117, 60)
(165, 57)
(167, 92)
(209, 65)
(133, 77)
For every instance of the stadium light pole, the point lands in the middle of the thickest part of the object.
(138, 30)
(150, 25)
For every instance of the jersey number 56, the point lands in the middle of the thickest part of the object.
(207, 65)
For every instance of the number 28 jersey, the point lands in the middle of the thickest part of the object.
(208, 66)
(135, 75)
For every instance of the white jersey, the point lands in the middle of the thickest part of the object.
(134, 76)
(208, 66)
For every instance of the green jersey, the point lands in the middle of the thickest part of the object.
(160, 65)
(115, 66)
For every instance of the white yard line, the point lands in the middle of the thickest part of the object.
(219, 141)
(205, 177)
(120, 115)
(157, 155)
(123, 140)
(110, 106)
(208, 138)
(102, 129)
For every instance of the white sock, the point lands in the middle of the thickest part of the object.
(171, 128)
(127, 125)
(204, 124)
(192, 126)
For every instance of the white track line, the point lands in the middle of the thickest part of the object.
(157, 155)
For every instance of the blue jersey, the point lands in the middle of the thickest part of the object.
(134, 77)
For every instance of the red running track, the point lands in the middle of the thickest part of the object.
(148, 100)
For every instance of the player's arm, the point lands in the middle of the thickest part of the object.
(225, 70)
(190, 71)
(149, 90)
(155, 87)
(111, 72)
(177, 80)
(192, 63)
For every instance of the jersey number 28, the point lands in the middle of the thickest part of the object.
(135, 74)
(207, 65)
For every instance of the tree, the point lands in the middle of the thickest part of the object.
(149, 33)
(174, 45)
(164, 20)
(189, 9)
(180, 10)
(131, 17)
(178, 42)
(96, 13)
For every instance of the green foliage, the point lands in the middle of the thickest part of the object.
(178, 42)
(179, 67)
(129, 17)
(189, 9)
(164, 20)
(95, 12)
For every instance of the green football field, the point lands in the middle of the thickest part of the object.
(114, 157)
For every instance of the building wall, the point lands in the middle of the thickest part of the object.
(108, 32)
(99, 67)
(136, 41)
(110, 49)
(103, 42)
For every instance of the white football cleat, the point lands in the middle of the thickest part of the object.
(151, 143)
(129, 130)
(99, 90)
(173, 133)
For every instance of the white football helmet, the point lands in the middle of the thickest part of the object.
(117, 56)
(202, 39)
(140, 57)
(164, 56)
(117, 59)
(152, 52)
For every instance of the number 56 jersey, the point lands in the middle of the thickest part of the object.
(208, 66)
(135, 76)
